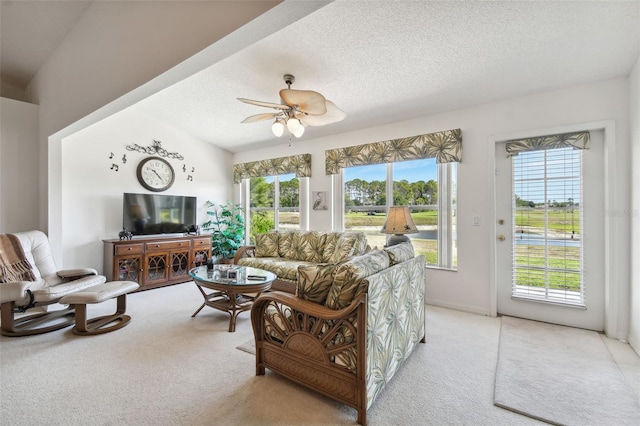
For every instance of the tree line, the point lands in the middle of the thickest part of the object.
(359, 192)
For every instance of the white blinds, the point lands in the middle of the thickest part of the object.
(547, 237)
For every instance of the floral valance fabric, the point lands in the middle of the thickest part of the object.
(298, 164)
(445, 146)
(577, 140)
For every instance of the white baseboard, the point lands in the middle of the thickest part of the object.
(458, 307)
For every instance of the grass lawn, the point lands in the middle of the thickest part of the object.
(558, 220)
(355, 219)
(564, 260)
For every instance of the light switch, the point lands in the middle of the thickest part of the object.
(476, 221)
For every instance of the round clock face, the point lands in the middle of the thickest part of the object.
(155, 174)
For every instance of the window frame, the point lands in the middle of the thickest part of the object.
(245, 200)
(446, 244)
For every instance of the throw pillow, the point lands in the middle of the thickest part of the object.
(349, 276)
(284, 243)
(331, 240)
(314, 281)
(400, 253)
(345, 248)
(267, 244)
(306, 246)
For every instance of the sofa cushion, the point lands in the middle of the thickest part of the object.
(306, 246)
(314, 281)
(331, 240)
(360, 244)
(284, 243)
(283, 268)
(400, 253)
(349, 276)
(349, 244)
(267, 244)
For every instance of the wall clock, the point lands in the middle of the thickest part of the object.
(155, 174)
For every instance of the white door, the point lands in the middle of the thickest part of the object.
(543, 229)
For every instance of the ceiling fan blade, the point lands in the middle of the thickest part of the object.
(260, 117)
(333, 115)
(264, 104)
(307, 101)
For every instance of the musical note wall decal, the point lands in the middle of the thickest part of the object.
(124, 159)
(184, 168)
(111, 156)
(190, 178)
(114, 167)
(193, 169)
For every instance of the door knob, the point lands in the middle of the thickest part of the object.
(501, 237)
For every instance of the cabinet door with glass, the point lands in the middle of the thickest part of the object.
(179, 264)
(128, 268)
(156, 268)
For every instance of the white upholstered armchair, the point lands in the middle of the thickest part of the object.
(44, 285)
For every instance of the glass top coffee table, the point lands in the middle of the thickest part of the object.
(235, 288)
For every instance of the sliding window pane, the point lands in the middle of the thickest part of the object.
(415, 184)
(365, 196)
(289, 211)
(262, 205)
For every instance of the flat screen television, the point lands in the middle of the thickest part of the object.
(153, 214)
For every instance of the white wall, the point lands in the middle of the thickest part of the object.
(469, 288)
(92, 190)
(634, 114)
(18, 166)
(122, 52)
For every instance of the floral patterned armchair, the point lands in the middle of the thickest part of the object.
(349, 328)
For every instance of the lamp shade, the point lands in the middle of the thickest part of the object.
(398, 222)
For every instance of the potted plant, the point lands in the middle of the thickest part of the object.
(226, 224)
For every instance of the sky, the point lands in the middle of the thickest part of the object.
(412, 171)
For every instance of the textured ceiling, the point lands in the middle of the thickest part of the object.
(379, 61)
(387, 61)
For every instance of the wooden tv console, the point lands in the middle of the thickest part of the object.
(155, 261)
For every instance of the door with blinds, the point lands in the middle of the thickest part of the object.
(550, 232)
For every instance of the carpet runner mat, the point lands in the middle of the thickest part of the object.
(561, 375)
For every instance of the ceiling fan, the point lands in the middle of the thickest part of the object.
(299, 109)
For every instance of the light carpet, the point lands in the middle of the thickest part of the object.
(561, 375)
(249, 347)
(166, 368)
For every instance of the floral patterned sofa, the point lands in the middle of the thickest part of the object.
(349, 327)
(282, 252)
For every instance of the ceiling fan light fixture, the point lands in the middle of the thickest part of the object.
(277, 128)
(293, 124)
(299, 131)
(298, 109)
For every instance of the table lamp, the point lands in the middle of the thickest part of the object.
(399, 223)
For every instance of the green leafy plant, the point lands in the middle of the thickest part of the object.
(261, 222)
(227, 228)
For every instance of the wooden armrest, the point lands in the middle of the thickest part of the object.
(302, 305)
(244, 251)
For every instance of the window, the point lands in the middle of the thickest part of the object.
(274, 203)
(547, 208)
(428, 188)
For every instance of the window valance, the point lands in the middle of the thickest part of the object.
(577, 140)
(298, 164)
(445, 146)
